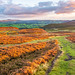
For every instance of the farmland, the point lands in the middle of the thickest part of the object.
(34, 52)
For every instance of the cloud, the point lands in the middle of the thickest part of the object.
(9, 1)
(65, 7)
(12, 9)
(45, 4)
(17, 10)
(1, 2)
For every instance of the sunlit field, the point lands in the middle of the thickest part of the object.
(34, 52)
(37, 37)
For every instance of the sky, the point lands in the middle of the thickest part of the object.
(37, 9)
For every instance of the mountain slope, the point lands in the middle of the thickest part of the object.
(70, 24)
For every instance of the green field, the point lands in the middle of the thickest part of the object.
(23, 25)
(65, 64)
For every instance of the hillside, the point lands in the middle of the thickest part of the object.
(32, 31)
(8, 28)
(67, 25)
(36, 52)
(9, 21)
(26, 24)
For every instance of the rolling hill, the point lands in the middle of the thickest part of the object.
(26, 24)
(9, 21)
(67, 25)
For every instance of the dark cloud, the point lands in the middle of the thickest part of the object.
(43, 7)
(45, 4)
(65, 7)
(13, 9)
(16, 9)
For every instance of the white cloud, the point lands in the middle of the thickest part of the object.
(18, 11)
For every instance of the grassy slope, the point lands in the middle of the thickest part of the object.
(61, 25)
(6, 67)
(61, 29)
(62, 67)
(68, 26)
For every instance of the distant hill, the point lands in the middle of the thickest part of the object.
(9, 21)
(67, 25)
(26, 24)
